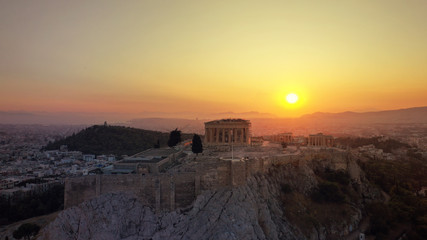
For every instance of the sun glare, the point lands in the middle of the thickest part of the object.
(292, 98)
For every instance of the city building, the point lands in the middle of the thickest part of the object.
(282, 138)
(150, 161)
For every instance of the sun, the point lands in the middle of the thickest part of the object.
(292, 98)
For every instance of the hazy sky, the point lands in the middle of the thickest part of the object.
(212, 56)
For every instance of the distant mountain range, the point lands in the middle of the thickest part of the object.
(310, 122)
(408, 115)
(262, 123)
(64, 118)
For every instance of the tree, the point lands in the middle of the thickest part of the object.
(197, 146)
(174, 138)
(26, 230)
(157, 144)
(328, 192)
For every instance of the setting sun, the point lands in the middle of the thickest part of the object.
(292, 98)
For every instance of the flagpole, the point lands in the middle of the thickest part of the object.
(232, 140)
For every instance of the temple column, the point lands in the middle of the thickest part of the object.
(228, 135)
(206, 135)
(209, 135)
(241, 135)
(223, 135)
(217, 135)
(247, 135)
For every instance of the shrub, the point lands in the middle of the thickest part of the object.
(340, 176)
(26, 230)
(328, 192)
(286, 188)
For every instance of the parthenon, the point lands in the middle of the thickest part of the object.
(320, 140)
(228, 131)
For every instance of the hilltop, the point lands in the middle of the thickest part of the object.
(118, 140)
(324, 194)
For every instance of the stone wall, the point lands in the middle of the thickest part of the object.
(167, 191)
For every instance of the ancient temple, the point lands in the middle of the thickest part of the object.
(320, 140)
(228, 131)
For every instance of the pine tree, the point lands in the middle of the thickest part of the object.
(197, 146)
(174, 138)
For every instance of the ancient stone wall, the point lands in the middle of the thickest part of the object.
(167, 191)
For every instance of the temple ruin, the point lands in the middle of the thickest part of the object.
(228, 131)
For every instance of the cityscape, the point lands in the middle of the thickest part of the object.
(213, 120)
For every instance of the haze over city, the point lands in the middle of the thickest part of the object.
(195, 58)
(194, 119)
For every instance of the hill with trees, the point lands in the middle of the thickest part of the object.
(118, 140)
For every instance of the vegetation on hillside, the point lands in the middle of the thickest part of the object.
(407, 209)
(387, 145)
(116, 140)
(333, 187)
(329, 204)
(26, 231)
(13, 210)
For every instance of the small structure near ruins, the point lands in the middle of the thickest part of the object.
(320, 140)
(282, 138)
(149, 161)
(227, 132)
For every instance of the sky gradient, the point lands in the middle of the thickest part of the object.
(212, 56)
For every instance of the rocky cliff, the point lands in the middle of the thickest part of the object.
(276, 205)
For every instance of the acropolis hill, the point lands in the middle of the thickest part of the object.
(175, 180)
(242, 191)
(211, 196)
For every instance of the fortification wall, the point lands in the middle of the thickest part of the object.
(166, 191)
(78, 190)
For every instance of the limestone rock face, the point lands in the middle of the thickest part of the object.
(258, 209)
(245, 212)
(111, 216)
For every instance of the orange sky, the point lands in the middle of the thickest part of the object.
(212, 56)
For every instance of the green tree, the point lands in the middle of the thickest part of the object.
(174, 138)
(26, 230)
(197, 146)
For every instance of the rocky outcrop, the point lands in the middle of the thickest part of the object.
(259, 209)
(246, 212)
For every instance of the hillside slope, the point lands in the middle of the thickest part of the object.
(275, 205)
(116, 140)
